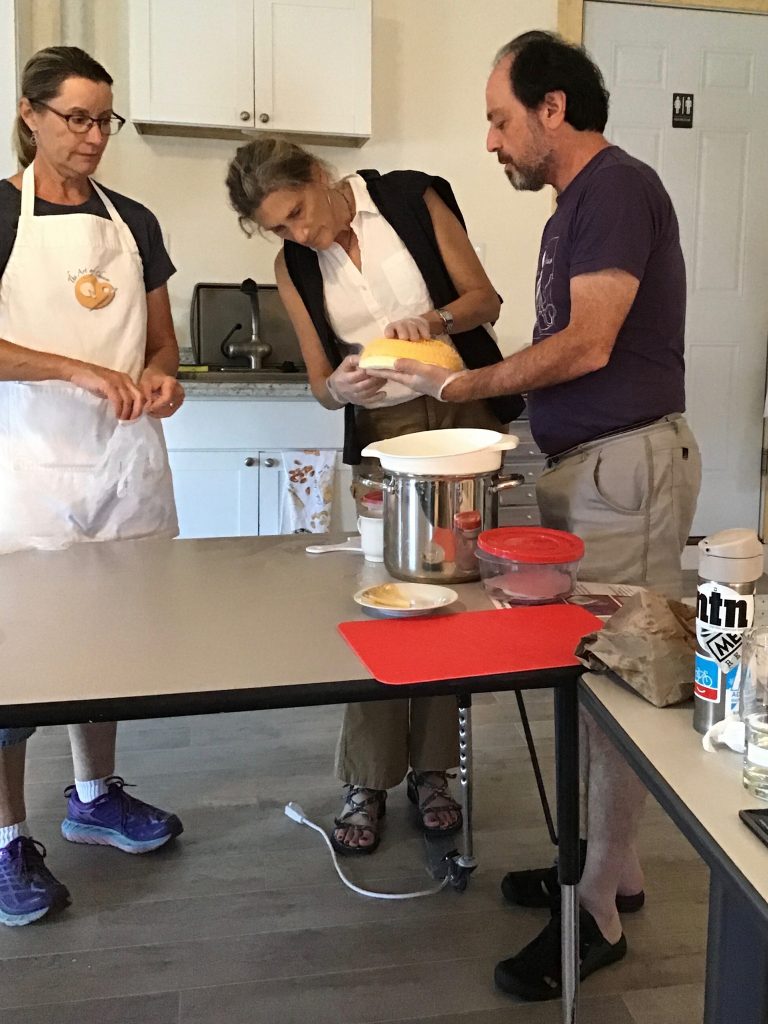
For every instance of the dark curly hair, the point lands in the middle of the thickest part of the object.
(542, 62)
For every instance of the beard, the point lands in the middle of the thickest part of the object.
(527, 177)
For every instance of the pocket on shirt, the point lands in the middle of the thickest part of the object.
(405, 281)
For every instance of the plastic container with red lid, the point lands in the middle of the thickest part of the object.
(373, 503)
(528, 564)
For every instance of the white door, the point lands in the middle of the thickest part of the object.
(313, 65)
(192, 63)
(717, 175)
(217, 493)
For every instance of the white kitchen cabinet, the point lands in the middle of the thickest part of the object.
(226, 458)
(217, 493)
(300, 66)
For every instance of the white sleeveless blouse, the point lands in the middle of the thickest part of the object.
(360, 303)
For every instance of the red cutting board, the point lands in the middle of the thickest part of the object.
(422, 650)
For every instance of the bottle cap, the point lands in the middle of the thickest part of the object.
(467, 520)
(731, 556)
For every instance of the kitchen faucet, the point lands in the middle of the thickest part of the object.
(255, 349)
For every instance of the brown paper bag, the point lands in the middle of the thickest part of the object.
(650, 644)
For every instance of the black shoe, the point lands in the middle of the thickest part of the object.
(540, 888)
(534, 974)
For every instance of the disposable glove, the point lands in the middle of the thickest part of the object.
(410, 328)
(423, 378)
(349, 384)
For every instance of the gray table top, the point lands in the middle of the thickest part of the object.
(706, 785)
(136, 620)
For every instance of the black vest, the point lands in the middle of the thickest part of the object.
(399, 197)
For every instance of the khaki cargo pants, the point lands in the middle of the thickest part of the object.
(631, 498)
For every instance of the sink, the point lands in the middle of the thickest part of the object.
(234, 375)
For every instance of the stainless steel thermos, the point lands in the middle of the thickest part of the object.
(730, 563)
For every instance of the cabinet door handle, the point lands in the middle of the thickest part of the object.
(251, 461)
(245, 115)
(270, 462)
(264, 118)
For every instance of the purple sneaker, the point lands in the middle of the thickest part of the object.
(28, 890)
(117, 819)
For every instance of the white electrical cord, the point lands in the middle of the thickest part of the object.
(296, 813)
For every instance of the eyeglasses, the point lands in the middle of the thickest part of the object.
(81, 124)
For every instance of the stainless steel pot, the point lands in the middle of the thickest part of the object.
(423, 541)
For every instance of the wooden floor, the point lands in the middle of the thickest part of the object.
(243, 920)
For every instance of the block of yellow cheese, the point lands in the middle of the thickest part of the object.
(382, 353)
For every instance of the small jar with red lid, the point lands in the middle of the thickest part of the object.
(466, 528)
(372, 503)
(529, 564)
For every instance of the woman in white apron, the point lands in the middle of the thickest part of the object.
(88, 359)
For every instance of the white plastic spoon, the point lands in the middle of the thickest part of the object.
(350, 544)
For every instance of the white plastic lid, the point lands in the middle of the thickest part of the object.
(731, 556)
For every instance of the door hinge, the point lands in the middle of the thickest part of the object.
(764, 462)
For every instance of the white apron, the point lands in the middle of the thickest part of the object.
(69, 470)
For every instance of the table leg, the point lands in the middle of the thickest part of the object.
(737, 956)
(465, 773)
(567, 752)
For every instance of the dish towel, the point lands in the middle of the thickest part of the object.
(307, 498)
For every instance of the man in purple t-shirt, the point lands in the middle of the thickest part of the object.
(605, 384)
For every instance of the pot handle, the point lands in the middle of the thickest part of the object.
(379, 485)
(506, 483)
(505, 443)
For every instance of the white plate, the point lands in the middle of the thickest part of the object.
(425, 598)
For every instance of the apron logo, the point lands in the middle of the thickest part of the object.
(93, 292)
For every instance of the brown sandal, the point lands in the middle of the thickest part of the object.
(370, 798)
(438, 791)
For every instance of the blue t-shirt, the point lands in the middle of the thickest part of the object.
(615, 214)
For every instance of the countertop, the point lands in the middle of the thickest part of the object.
(240, 384)
(206, 386)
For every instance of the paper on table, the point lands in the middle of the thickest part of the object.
(602, 599)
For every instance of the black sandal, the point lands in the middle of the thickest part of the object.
(534, 974)
(438, 791)
(378, 799)
(540, 888)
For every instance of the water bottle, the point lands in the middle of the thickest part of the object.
(753, 710)
(730, 563)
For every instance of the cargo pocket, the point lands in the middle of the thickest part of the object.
(622, 475)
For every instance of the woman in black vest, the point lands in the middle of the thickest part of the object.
(368, 256)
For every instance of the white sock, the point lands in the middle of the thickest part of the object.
(10, 832)
(91, 789)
